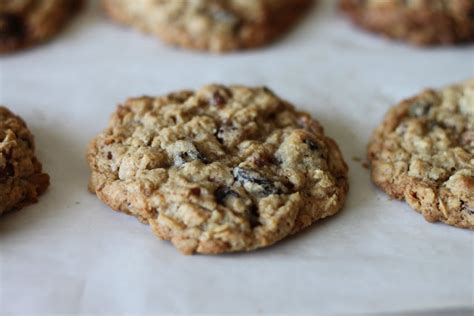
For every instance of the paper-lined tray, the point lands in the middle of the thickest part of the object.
(71, 254)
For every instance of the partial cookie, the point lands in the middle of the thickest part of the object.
(423, 153)
(217, 170)
(24, 23)
(21, 177)
(213, 25)
(421, 22)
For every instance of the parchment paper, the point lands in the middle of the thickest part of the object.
(72, 254)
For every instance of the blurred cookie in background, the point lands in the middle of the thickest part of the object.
(24, 23)
(210, 25)
(21, 177)
(420, 22)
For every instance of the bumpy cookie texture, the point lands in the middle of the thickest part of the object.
(423, 152)
(21, 176)
(421, 22)
(212, 25)
(24, 23)
(217, 170)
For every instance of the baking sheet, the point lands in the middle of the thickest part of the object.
(71, 254)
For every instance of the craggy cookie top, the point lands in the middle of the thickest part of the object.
(219, 169)
(25, 22)
(21, 177)
(421, 22)
(215, 25)
(423, 152)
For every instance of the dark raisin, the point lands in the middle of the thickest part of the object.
(109, 156)
(466, 208)
(312, 144)
(192, 154)
(222, 193)
(8, 171)
(253, 217)
(11, 26)
(290, 185)
(218, 99)
(264, 160)
(249, 179)
(188, 156)
(471, 15)
(420, 108)
(195, 191)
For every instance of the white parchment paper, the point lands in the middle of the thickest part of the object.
(72, 254)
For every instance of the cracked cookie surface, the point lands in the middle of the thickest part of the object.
(423, 153)
(212, 25)
(24, 23)
(21, 176)
(217, 170)
(421, 22)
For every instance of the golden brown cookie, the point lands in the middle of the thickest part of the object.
(421, 22)
(423, 153)
(24, 23)
(217, 170)
(212, 25)
(21, 177)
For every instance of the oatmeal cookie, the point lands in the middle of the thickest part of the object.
(421, 22)
(24, 23)
(212, 25)
(21, 177)
(423, 153)
(217, 170)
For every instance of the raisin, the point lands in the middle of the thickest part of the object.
(218, 99)
(8, 171)
(195, 191)
(11, 26)
(109, 156)
(312, 144)
(222, 193)
(191, 154)
(188, 156)
(471, 15)
(253, 217)
(264, 160)
(420, 108)
(249, 179)
(289, 185)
